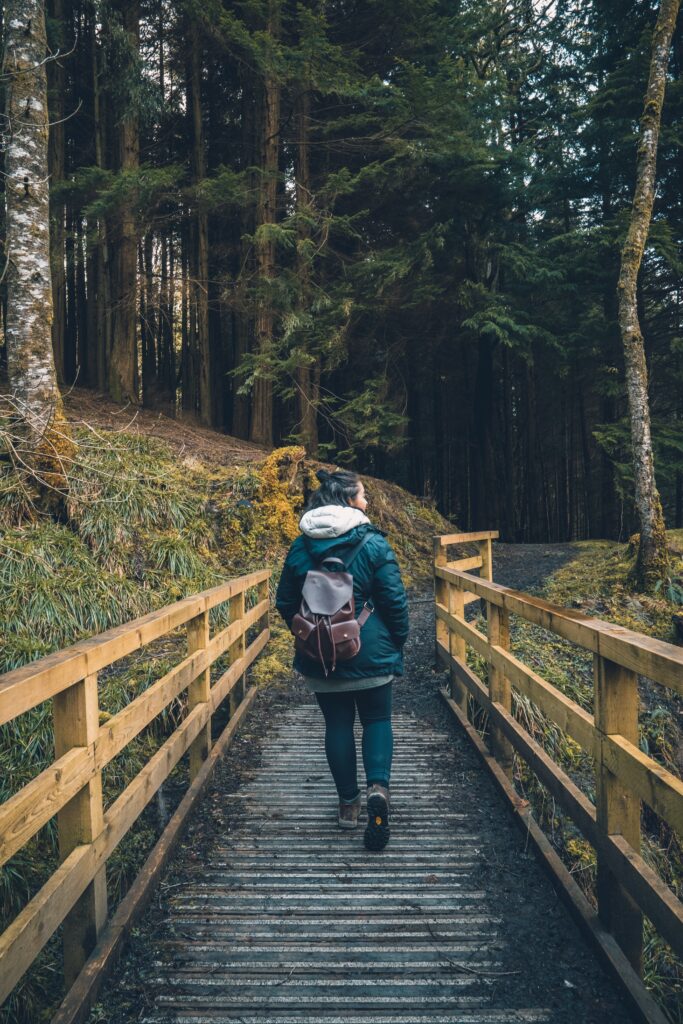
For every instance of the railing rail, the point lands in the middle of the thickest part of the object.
(71, 787)
(627, 887)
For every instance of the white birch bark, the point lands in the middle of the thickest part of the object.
(33, 381)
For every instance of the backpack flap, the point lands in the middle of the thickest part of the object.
(326, 593)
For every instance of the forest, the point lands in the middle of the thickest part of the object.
(389, 231)
(438, 243)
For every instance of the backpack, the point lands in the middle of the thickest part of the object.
(325, 629)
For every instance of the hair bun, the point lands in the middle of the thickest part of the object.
(323, 476)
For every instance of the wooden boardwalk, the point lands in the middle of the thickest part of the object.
(287, 919)
(290, 920)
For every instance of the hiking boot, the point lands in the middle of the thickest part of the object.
(377, 829)
(348, 813)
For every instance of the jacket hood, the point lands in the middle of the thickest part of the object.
(331, 521)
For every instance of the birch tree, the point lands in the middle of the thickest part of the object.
(39, 441)
(652, 550)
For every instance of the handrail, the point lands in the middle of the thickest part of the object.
(71, 787)
(624, 776)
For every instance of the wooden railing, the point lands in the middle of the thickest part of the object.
(71, 787)
(627, 887)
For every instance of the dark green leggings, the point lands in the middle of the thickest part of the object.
(374, 711)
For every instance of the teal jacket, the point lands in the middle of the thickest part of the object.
(376, 575)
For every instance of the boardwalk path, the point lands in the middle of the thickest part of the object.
(270, 914)
(291, 920)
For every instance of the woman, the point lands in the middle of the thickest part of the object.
(333, 524)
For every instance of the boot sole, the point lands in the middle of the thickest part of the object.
(377, 830)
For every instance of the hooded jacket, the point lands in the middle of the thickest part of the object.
(336, 529)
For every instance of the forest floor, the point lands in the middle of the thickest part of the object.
(96, 411)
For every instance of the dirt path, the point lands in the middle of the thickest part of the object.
(528, 566)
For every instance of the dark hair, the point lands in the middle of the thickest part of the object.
(335, 488)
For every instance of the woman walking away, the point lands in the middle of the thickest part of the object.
(335, 529)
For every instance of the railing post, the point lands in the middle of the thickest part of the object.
(500, 690)
(263, 594)
(456, 606)
(486, 553)
(199, 690)
(440, 597)
(236, 651)
(618, 809)
(76, 724)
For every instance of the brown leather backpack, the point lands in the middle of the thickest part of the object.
(325, 628)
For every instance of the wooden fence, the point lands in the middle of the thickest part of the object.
(627, 887)
(75, 895)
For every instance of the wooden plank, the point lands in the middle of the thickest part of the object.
(656, 659)
(32, 807)
(31, 929)
(224, 686)
(577, 805)
(646, 888)
(486, 553)
(127, 723)
(500, 692)
(471, 635)
(80, 998)
(639, 999)
(236, 651)
(467, 538)
(39, 800)
(456, 608)
(570, 717)
(227, 637)
(440, 595)
(473, 587)
(24, 688)
(618, 809)
(199, 690)
(466, 564)
(643, 655)
(654, 785)
(81, 820)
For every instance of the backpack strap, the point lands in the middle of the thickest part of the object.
(356, 550)
(345, 562)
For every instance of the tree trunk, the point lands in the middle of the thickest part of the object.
(199, 255)
(652, 557)
(308, 371)
(102, 262)
(262, 404)
(42, 438)
(123, 364)
(56, 83)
